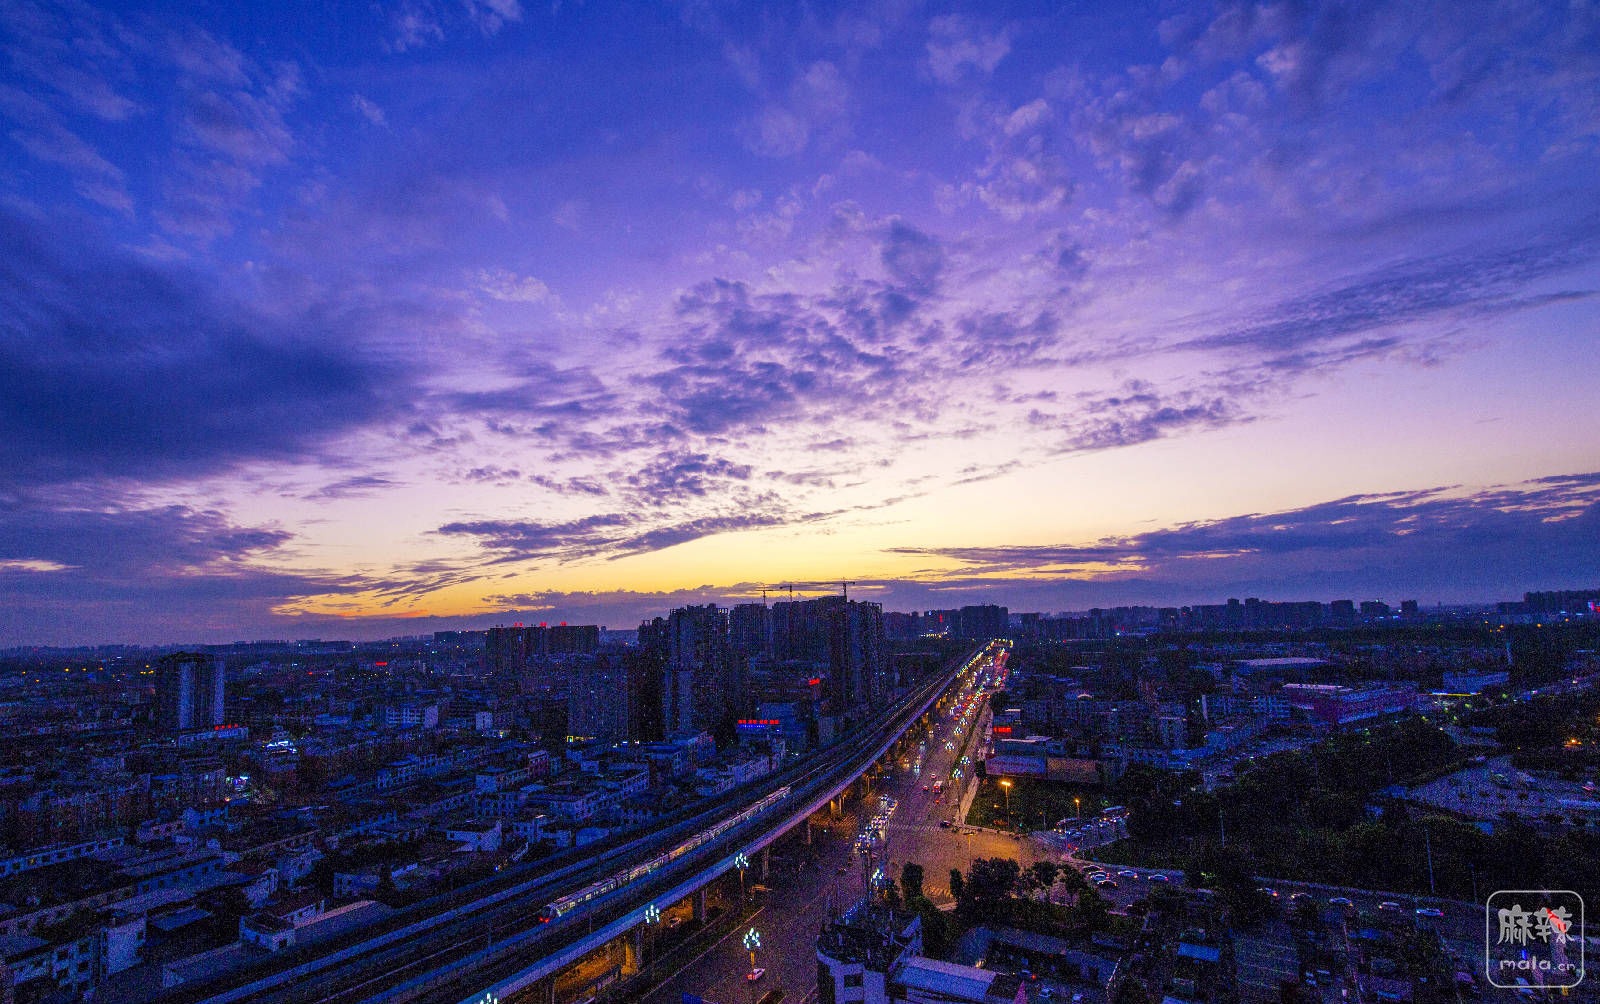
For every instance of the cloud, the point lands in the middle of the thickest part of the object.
(1025, 170)
(151, 574)
(358, 486)
(557, 401)
(369, 110)
(988, 339)
(96, 178)
(746, 359)
(570, 486)
(1409, 291)
(503, 285)
(74, 50)
(957, 44)
(413, 26)
(1446, 541)
(114, 367)
(914, 259)
(672, 478)
(416, 24)
(1068, 257)
(816, 108)
(492, 15)
(605, 535)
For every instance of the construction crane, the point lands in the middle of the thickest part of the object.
(843, 584)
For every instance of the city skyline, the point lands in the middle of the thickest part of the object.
(330, 324)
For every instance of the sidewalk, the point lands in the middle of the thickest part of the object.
(969, 778)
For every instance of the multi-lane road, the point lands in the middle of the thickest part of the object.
(806, 881)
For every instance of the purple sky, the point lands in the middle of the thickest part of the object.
(338, 321)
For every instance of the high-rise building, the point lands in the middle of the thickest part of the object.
(750, 630)
(842, 637)
(704, 687)
(507, 651)
(510, 650)
(857, 668)
(982, 622)
(189, 691)
(599, 699)
(900, 625)
(573, 639)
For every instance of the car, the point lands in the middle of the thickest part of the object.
(1128, 873)
(1106, 883)
(1429, 911)
(844, 869)
(1158, 877)
(1389, 906)
(1343, 901)
(1267, 891)
(1045, 993)
(1026, 974)
(944, 824)
(755, 974)
(926, 788)
(1297, 898)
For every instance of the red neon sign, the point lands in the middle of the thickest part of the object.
(815, 681)
(1003, 728)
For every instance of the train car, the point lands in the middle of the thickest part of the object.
(568, 903)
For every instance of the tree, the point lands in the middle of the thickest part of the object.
(958, 885)
(1306, 913)
(1027, 883)
(1131, 991)
(991, 881)
(387, 892)
(1072, 880)
(1045, 872)
(227, 906)
(1091, 910)
(911, 880)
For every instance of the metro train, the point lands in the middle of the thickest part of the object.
(610, 883)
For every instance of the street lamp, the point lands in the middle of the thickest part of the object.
(652, 917)
(752, 941)
(1007, 786)
(1078, 804)
(741, 862)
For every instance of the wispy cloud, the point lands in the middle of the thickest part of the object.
(1466, 542)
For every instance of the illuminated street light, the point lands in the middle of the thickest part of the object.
(752, 941)
(741, 862)
(652, 917)
(1007, 786)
